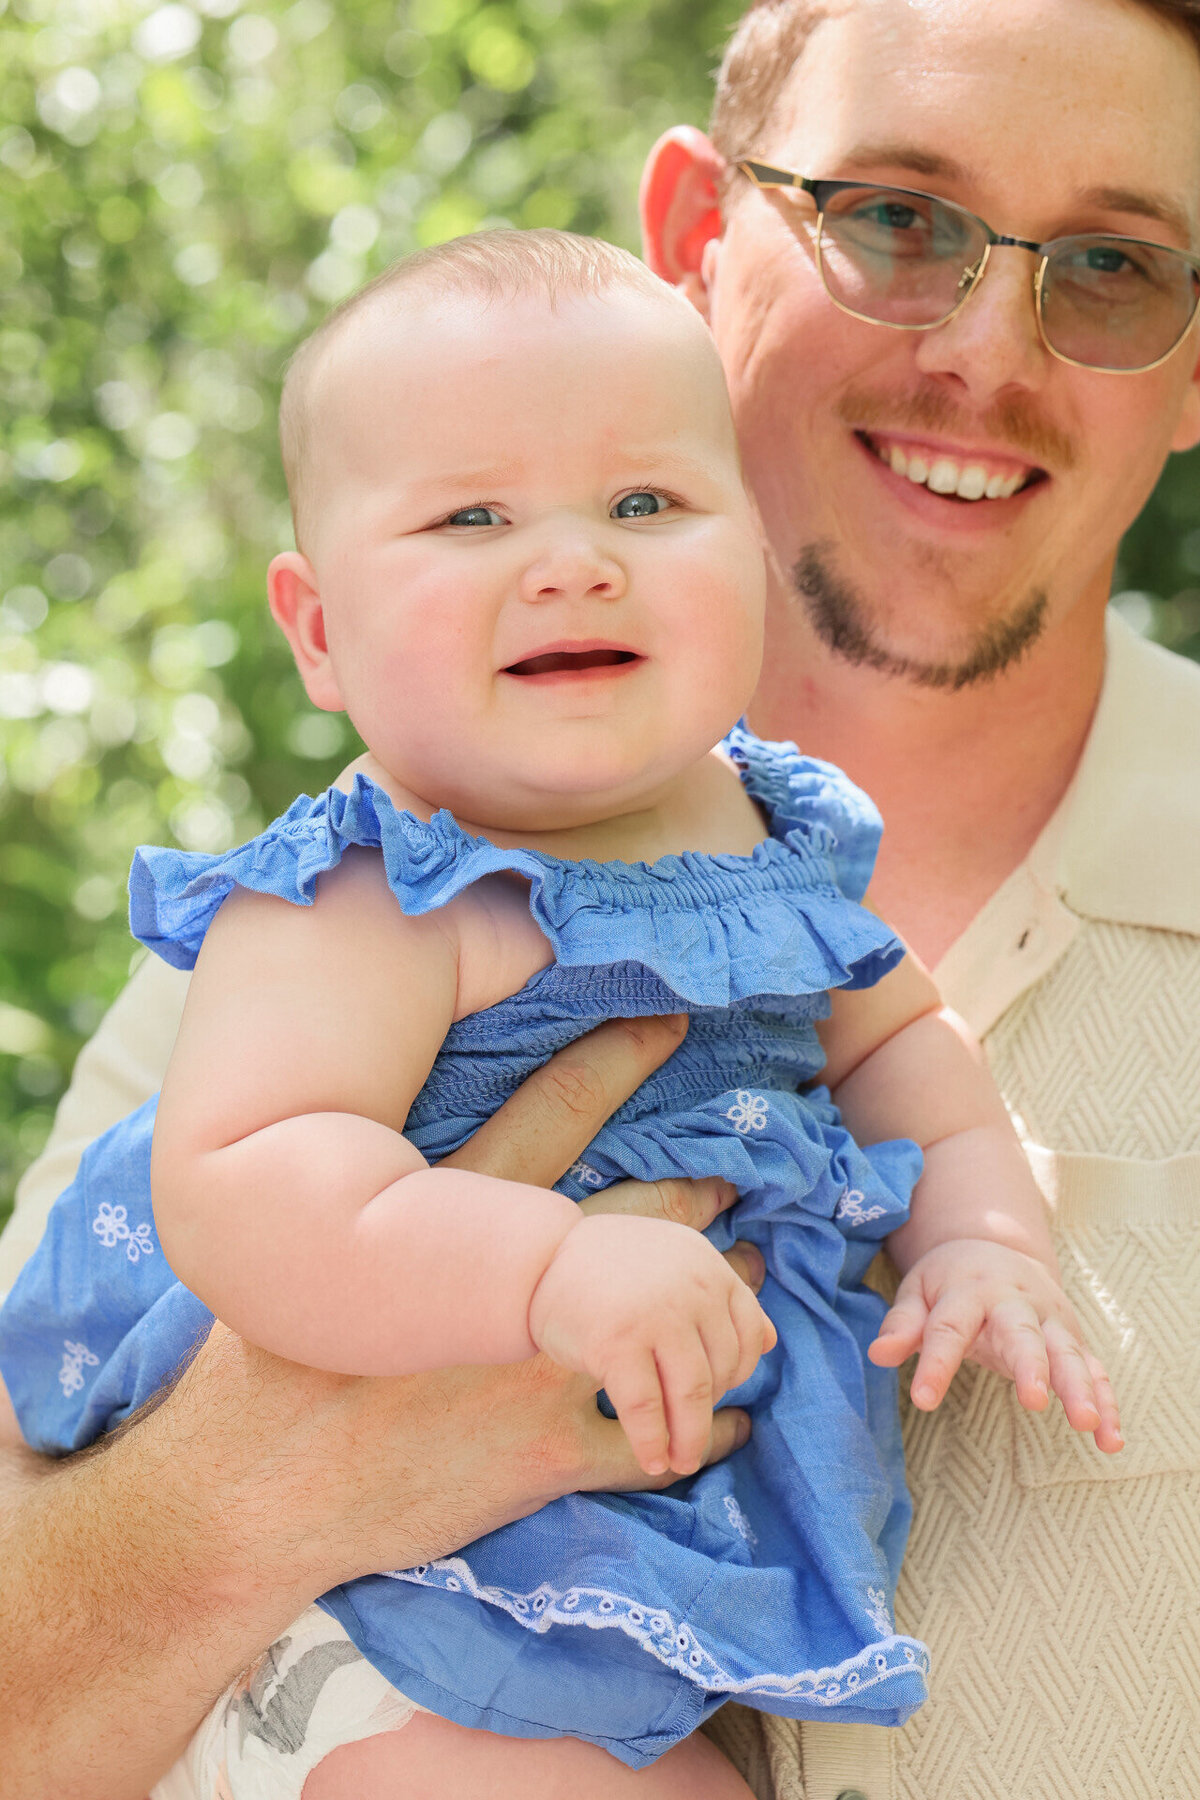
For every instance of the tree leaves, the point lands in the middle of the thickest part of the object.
(184, 189)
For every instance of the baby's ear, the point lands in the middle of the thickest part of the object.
(295, 602)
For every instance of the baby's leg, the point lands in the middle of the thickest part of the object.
(431, 1759)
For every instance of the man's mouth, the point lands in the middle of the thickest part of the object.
(955, 476)
(573, 662)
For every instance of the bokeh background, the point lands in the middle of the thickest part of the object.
(184, 190)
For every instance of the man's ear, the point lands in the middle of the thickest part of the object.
(680, 210)
(1187, 431)
(295, 603)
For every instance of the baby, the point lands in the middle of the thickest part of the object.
(528, 570)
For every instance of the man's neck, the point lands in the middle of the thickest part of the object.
(965, 781)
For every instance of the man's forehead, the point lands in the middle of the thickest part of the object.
(1062, 98)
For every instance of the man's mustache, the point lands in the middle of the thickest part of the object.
(1010, 423)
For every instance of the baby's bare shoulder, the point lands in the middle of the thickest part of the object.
(500, 944)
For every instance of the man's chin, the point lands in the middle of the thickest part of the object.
(842, 621)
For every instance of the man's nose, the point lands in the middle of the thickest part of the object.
(992, 342)
(572, 564)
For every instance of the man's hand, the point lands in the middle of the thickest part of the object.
(137, 1580)
(1006, 1311)
(652, 1313)
(651, 1316)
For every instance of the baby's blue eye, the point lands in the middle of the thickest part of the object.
(475, 515)
(640, 506)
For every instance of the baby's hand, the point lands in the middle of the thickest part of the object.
(973, 1298)
(656, 1316)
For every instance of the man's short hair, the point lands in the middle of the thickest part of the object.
(769, 40)
(498, 264)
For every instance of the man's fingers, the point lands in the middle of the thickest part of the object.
(539, 1132)
(730, 1430)
(614, 1468)
(746, 1261)
(678, 1201)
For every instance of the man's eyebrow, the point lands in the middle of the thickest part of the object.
(894, 154)
(1144, 205)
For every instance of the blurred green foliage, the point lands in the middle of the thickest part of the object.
(184, 189)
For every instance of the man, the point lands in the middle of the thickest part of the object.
(1042, 851)
(949, 653)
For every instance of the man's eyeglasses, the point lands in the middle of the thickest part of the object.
(900, 257)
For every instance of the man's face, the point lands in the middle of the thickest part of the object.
(1045, 117)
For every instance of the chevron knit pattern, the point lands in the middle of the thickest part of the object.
(1059, 1589)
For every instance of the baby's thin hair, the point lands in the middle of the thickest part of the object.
(497, 264)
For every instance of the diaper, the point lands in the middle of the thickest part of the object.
(308, 1693)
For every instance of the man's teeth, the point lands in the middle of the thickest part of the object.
(969, 481)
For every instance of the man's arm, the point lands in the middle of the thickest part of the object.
(137, 1579)
(119, 1068)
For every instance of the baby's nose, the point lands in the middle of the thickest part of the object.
(574, 570)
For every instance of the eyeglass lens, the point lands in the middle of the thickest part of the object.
(907, 259)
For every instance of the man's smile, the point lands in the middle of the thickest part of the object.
(963, 474)
(950, 489)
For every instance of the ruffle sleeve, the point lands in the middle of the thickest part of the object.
(717, 930)
(815, 801)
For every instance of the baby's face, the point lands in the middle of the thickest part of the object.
(540, 578)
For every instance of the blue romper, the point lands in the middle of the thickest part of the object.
(621, 1619)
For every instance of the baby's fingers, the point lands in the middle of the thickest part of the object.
(902, 1329)
(950, 1332)
(635, 1390)
(723, 1350)
(1081, 1384)
(687, 1387)
(755, 1333)
(1018, 1348)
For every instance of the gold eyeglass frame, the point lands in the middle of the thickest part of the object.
(767, 176)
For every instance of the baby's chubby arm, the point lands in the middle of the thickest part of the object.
(288, 1199)
(980, 1276)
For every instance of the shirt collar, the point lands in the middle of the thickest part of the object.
(1123, 845)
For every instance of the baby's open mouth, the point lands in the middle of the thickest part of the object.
(559, 662)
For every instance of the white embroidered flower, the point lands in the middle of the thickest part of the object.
(75, 1356)
(750, 1112)
(111, 1227)
(739, 1521)
(851, 1206)
(109, 1224)
(878, 1611)
(586, 1175)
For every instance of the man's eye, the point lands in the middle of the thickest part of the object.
(640, 506)
(475, 515)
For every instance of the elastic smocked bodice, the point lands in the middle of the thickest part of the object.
(748, 946)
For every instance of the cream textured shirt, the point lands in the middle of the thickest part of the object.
(1058, 1589)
